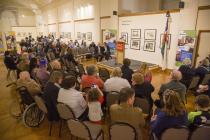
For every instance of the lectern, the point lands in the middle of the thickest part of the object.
(120, 52)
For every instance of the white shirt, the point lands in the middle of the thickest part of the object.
(95, 113)
(115, 84)
(73, 99)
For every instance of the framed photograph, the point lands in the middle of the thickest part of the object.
(150, 34)
(68, 35)
(149, 46)
(18, 34)
(135, 44)
(89, 36)
(83, 36)
(78, 35)
(124, 36)
(161, 40)
(135, 33)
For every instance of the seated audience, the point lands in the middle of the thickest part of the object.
(41, 73)
(73, 98)
(116, 83)
(51, 94)
(70, 56)
(94, 105)
(144, 70)
(202, 70)
(91, 78)
(175, 85)
(126, 71)
(23, 65)
(202, 113)
(9, 62)
(172, 114)
(56, 65)
(142, 89)
(31, 85)
(33, 65)
(204, 89)
(187, 72)
(125, 112)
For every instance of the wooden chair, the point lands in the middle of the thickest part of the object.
(65, 113)
(122, 131)
(85, 130)
(201, 133)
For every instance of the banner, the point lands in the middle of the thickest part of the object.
(185, 47)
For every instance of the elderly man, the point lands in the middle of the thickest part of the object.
(91, 78)
(31, 85)
(174, 84)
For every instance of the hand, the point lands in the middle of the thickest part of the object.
(154, 117)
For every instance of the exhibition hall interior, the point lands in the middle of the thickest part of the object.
(104, 69)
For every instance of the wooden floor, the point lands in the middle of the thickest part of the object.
(13, 129)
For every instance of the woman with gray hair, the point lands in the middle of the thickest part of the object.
(116, 83)
(202, 70)
(187, 72)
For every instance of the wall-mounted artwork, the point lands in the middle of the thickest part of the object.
(168, 37)
(40, 33)
(78, 35)
(149, 46)
(83, 36)
(18, 34)
(124, 37)
(89, 36)
(24, 34)
(135, 44)
(29, 34)
(150, 34)
(135, 33)
(68, 35)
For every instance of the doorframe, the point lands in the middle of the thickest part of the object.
(198, 45)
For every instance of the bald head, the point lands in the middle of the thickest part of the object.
(24, 75)
(176, 75)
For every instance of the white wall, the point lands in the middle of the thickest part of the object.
(144, 22)
(203, 22)
(26, 30)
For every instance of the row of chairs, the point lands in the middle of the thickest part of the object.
(183, 133)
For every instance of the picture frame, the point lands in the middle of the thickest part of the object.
(150, 34)
(135, 44)
(135, 33)
(124, 36)
(83, 36)
(149, 46)
(78, 36)
(18, 34)
(169, 40)
(69, 35)
(89, 36)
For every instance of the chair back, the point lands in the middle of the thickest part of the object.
(25, 96)
(194, 82)
(104, 74)
(112, 98)
(201, 133)
(176, 133)
(78, 129)
(143, 104)
(206, 79)
(41, 104)
(65, 112)
(122, 131)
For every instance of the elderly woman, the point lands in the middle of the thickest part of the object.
(174, 84)
(51, 94)
(187, 72)
(31, 85)
(91, 78)
(172, 114)
(142, 89)
(116, 83)
(55, 65)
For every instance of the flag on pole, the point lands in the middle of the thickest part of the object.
(164, 45)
